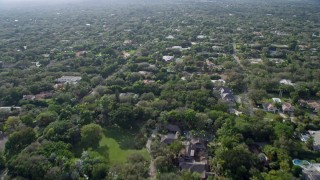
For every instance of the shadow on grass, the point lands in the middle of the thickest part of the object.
(103, 151)
(124, 138)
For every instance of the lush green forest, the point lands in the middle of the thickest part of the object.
(160, 90)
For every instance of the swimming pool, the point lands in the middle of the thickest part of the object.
(301, 163)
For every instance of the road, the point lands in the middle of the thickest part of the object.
(235, 55)
(245, 98)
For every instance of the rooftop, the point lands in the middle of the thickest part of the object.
(69, 79)
(276, 100)
(316, 137)
(286, 82)
(168, 58)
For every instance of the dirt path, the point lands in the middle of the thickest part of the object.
(152, 167)
(153, 170)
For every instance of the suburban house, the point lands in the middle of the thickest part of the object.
(199, 167)
(236, 112)
(310, 171)
(128, 97)
(310, 174)
(10, 109)
(201, 37)
(219, 82)
(69, 79)
(28, 97)
(286, 82)
(316, 137)
(227, 95)
(172, 128)
(127, 42)
(170, 37)
(304, 137)
(58, 86)
(276, 100)
(168, 58)
(145, 74)
(269, 107)
(179, 48)
(312, 104)
(194, 157)
(148, 81)
(287, 108)
(81, 53)
(169, 138)
(276, 60)
(42, 95)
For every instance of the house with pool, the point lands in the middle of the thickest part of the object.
(310, 171)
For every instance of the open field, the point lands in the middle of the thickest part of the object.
(119, 144)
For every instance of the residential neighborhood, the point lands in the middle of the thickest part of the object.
(160, 90)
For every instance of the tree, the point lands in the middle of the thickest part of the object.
(175, 147)
(257, 95)
(12, 124)
(283, 129)
(123, 116)
(2, 161)
(99, 171)
(62, 131)
(29, 166)
(189, 175)
(278, 175)
(167, 176)
(59, 149)
(45, 118)
(19, 140)
(55, 173)
(91, 135)
(163, 164)
(235, 162)
(310, 143)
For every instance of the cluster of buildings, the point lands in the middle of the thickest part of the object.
(278, 106)
(40, 96)
(194, 156)
(62, 81)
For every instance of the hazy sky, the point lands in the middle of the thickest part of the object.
(32, 2)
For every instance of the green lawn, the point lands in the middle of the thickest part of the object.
(132, 52)
(119, 145)
(270, 116)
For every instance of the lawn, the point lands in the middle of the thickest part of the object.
(270, 116)
(119, 145)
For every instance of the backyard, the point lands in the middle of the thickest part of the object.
(119, 144)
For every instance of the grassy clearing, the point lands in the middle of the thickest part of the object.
(132, 52)
(270, 116)
(119, 145)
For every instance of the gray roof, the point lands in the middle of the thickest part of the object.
(169, 138)
(194, 167)
(311, 175)
(69, 79)
(172, 128)
(316, 136)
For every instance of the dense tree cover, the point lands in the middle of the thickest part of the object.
(118, 50)
(91, 135)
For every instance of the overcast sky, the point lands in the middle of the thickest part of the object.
(35, 2)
